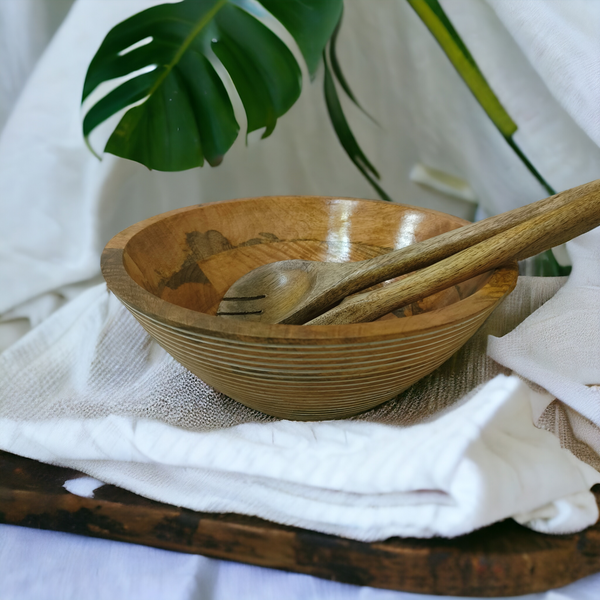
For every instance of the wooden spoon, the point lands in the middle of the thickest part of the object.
(296, 291)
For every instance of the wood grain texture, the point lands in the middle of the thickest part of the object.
(172, 271)
(294, 292)
(504, 559)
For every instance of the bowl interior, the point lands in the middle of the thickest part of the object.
(191, 257)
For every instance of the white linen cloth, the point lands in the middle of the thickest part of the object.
(89, 389)
(26, 27)
(558, 347)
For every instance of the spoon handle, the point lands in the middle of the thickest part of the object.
(541, 232)
(350, 278)
(422, 254)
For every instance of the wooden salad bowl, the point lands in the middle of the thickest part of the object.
(172, 270)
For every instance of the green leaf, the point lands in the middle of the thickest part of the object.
(167, 56)
(546, 265)
(311, 23)
(435, 19)
(345, 135)
(337, 69)
(438, 23)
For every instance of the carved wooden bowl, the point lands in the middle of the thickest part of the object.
(172, 270)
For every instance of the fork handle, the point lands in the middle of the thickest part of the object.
(425, 253)
(535, 235)
(363, 274)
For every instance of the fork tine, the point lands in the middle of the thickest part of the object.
(238, 316)
(239, 306)
(243, 298)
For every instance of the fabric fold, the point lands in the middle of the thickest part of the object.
(557, 347)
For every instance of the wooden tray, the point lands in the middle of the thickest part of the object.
(502, 560)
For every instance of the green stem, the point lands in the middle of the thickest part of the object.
(530, 166)
(544, 264)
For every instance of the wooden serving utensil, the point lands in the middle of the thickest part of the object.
(522, 241)
(296, 291)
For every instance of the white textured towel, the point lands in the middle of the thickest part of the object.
(96, 394)
(558, 346)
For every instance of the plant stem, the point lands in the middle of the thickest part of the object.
(549, 189)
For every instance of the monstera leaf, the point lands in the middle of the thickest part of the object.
(166, 61)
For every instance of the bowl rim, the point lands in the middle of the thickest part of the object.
(501, 282)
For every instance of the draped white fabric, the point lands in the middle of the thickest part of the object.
(26, 27)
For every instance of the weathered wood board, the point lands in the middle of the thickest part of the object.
(501, 560)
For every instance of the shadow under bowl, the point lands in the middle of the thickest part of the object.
(172, 270)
